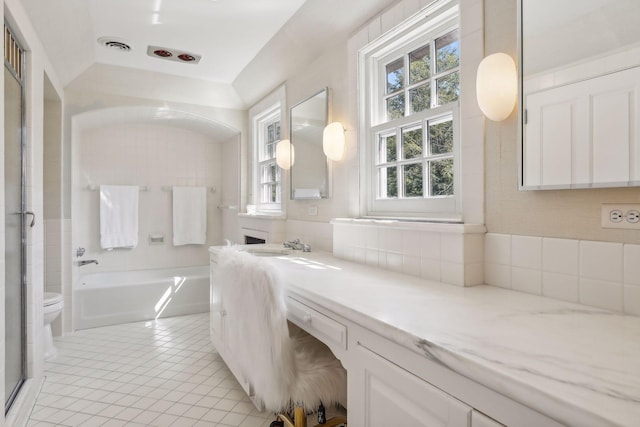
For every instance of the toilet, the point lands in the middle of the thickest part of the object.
(53, 304)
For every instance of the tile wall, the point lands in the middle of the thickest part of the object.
(597, 274)
(448, 253)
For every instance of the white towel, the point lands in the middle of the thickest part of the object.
(189, 216)
(118, 216)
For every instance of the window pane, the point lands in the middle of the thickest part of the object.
(270, 151)
(395, 107)
(412, 143)
(441, 177)
(448, 88)
(395, 75)
(420, 98)
(387, 151)
(270, 133)
(276, 131)
(388, 182)
(412, 180)
(419, 64)
(447, 52)
(441, 137)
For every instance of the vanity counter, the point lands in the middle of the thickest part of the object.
(575, 364)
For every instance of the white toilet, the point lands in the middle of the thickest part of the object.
(53, 304)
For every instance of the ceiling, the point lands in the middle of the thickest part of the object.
(248, 47)
(226, 33)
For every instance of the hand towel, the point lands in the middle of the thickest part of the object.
(118, 216)
(189, 215)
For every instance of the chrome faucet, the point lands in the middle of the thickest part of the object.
(87, 261)
(296, 245)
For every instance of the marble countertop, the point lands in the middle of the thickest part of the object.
(576, 364)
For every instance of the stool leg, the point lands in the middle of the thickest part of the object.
(299, 417)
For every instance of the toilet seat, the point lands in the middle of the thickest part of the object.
(51, 298)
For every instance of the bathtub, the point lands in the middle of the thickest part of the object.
(109, 298)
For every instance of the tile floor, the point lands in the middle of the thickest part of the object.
(162, 373)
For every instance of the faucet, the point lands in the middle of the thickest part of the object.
(296, 245)
(87, 261)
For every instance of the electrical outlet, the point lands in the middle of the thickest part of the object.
(312, 211)
(621, 215)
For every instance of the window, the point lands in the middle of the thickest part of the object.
(268, 173)
(411, 117)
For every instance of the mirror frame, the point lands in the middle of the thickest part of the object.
(327, 170)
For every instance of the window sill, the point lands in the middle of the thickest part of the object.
(259, 215)
(441, 226)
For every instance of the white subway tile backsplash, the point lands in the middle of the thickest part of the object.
(526, 252)
(394, 262)
(561, 286)
(411, 265)
(452, 247)
(497, 248)
(632, 299)
(631, 265)
(526, 280)
(601, 260)
(561, 255)
(430, 245)
(411, 243)
(498, 275)
(430, 269)
(601, 293)
(394, 240)
(452, 273)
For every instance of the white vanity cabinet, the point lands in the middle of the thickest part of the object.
(219, 319)
(383, 394)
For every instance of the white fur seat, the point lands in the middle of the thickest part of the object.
(284, 364)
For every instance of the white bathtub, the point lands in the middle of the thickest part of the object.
(101, 299)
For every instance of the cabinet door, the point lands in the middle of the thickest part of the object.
(392, 396)
(216, 308)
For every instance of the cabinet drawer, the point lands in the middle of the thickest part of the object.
(317, 324)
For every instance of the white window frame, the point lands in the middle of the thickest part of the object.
(267, 119)
(432, 22)
(266, 111)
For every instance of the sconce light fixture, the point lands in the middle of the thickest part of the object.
(333, 141)
(285, 154)
(497, 86)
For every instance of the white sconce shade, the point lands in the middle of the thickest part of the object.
(333, 141)
(285, 154)
(497, 86)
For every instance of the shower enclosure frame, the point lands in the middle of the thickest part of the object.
(20, 78)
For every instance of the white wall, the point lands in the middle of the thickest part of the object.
(152, 155)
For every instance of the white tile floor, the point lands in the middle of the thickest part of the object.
(162, 373)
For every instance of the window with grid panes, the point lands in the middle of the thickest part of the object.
(268, 172)
(414, 89)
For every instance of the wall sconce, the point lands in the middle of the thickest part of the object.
(333, 141)
(285, 154)
(497, 86)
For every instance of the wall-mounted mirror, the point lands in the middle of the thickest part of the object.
(309, 173)
(580, 93)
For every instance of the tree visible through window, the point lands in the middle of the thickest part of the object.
(425, 165)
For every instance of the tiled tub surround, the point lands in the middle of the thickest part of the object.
(597, 274)
(575, 364)
(448, 253)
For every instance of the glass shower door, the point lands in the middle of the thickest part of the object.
(14, 236)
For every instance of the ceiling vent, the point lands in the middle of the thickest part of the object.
(115, 43)
(173, 54)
